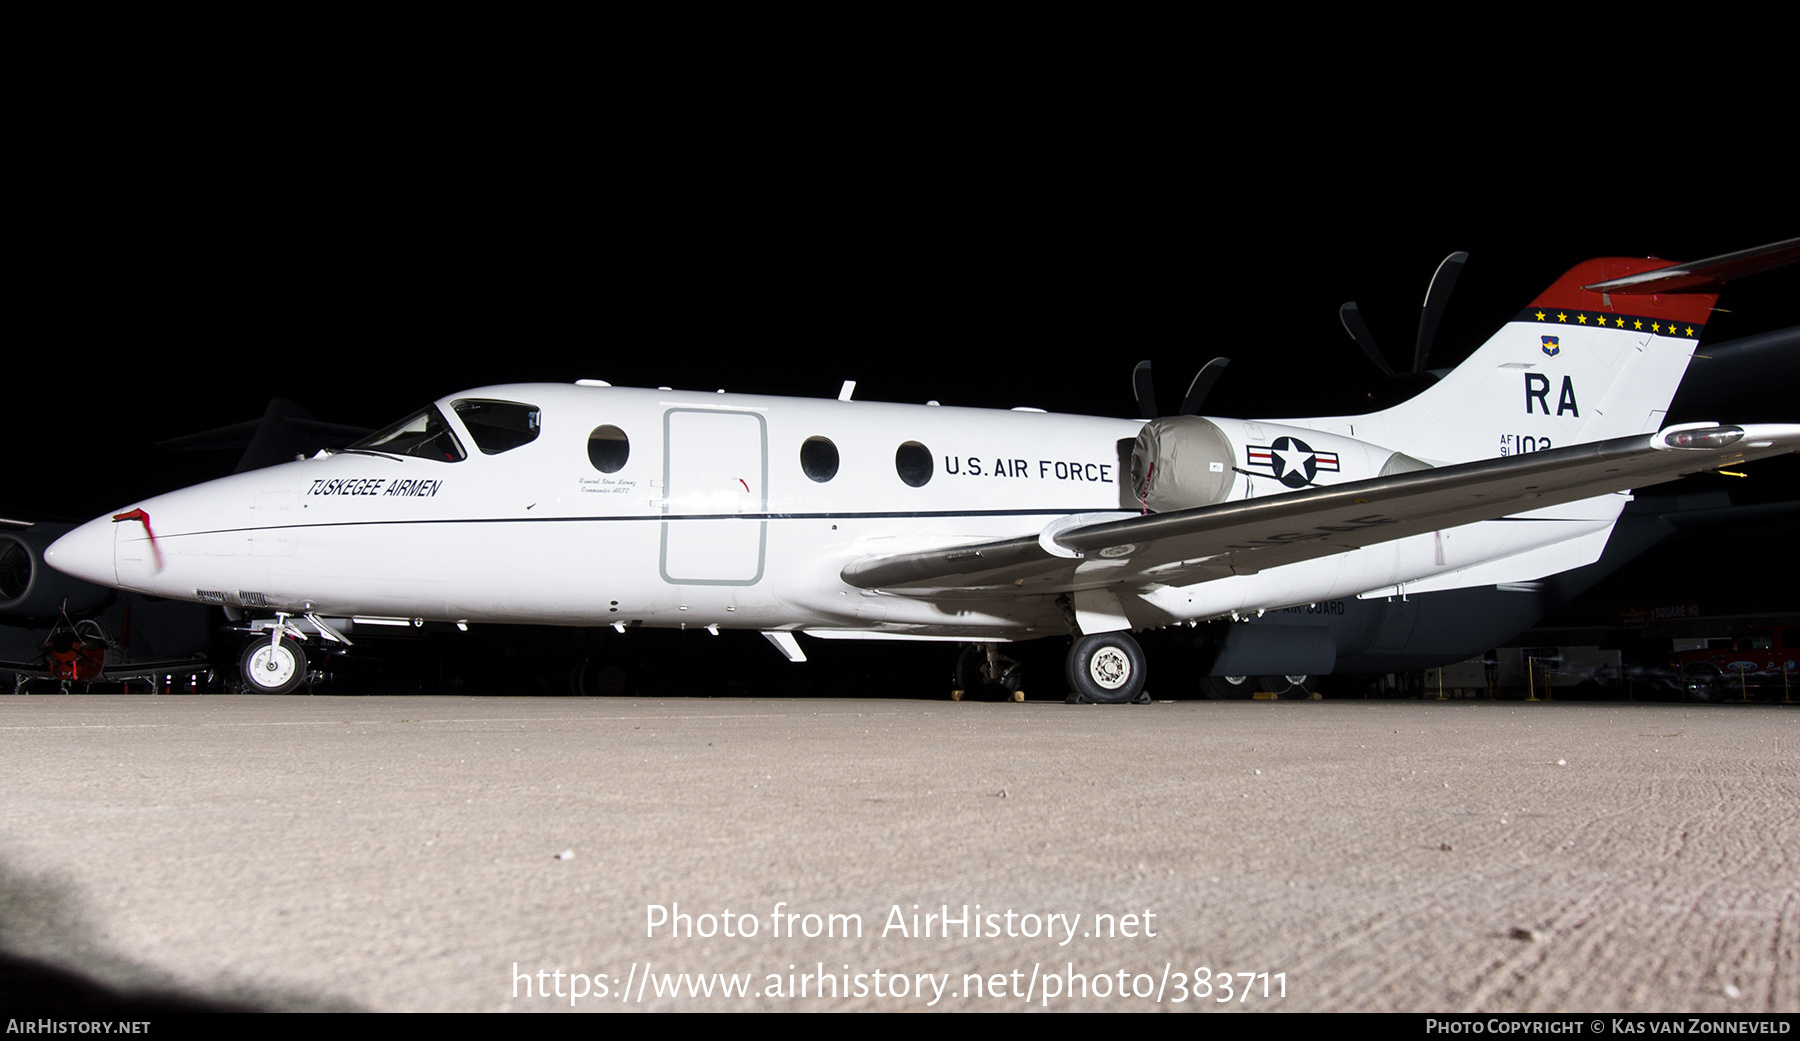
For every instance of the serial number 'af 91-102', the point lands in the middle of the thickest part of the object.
(588, 504)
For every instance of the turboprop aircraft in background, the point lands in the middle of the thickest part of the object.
(588, 504)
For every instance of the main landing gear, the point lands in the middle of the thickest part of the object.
(1103, 669)
(983, 672)
(1107, 669)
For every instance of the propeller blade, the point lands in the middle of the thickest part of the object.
(1144, 390)
(1351, 317)
(1203, 383)
(1437, 296)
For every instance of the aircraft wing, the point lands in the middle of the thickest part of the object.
(1187, 546)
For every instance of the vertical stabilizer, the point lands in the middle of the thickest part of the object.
(1577, 365)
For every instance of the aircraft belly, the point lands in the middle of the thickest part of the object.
(593, 572)
(1302, 583)
(1525, 559)
(572, 572)
(387, 569)
(1011, 618)
(807, 554)
(1413, 564)
(568, 572)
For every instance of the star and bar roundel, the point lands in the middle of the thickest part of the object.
(1291, 460)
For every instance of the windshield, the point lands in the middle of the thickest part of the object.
(498, 426)
(423, 435)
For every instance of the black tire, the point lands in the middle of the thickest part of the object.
(280, 669)
(1228, 688)
(966, 678)
(1702, 682)
(1107, 668)
(1287, 687)
(601, 678)
(969, 680)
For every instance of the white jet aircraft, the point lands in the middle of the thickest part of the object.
(587, 504)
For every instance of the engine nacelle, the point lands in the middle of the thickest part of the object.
(1180, 462)
(29, 588)
(1184, 462)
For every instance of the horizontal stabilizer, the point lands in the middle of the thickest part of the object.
(1706, 274)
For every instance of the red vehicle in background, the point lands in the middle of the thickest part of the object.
(1761, 660)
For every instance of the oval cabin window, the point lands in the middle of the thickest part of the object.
(608, 448)
(913, 463)
(819, 459)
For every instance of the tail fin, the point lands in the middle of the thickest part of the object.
(1585, 362)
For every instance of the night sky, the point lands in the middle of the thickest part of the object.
(364, 276)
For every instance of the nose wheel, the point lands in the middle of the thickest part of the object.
(273, 668)
(1107, 668)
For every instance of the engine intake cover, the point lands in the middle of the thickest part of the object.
(1180, 462)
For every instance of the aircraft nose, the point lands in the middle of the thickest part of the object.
(86, 553)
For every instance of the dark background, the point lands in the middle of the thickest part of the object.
(190, 254)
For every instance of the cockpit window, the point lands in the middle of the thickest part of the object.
(498, 426)
(423, 435)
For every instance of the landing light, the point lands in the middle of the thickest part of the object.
(1702, 437)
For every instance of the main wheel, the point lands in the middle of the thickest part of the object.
(280, 669)
(1107, 668)
(971, 682)
(1227, 688)
(1295, 687)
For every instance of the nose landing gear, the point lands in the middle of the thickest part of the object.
(274, 661)
(273, 666)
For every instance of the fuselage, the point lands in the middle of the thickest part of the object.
(595, 505)
(657, 507)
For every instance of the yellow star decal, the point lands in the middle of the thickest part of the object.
(1621, 323)
(1540, 316)
(1581, 319)
(1655, 328)
(1561, 317)
(1690, 330)
(1639, 324)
